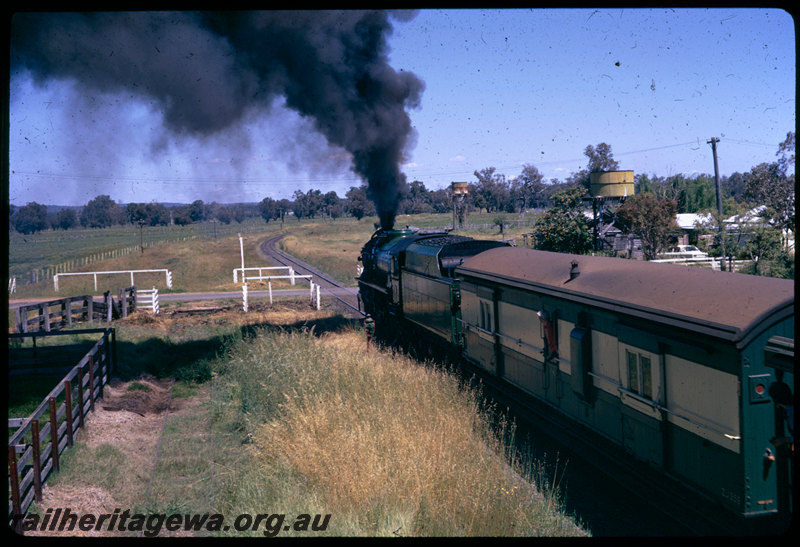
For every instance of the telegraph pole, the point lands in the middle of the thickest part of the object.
(140, 222)
(713, 142)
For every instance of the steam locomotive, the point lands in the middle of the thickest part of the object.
(675, 366)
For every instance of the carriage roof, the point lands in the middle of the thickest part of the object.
(728, 305)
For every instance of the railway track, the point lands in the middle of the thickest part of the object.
(346, 298)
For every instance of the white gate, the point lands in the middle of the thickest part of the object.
(148, 299)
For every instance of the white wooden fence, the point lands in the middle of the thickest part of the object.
(260, 269)
(705, 262)
(312, 287)
(131, 272)
(148, 299)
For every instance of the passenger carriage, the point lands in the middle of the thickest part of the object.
(672, 363)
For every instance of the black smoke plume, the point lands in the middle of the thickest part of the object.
(207, 70)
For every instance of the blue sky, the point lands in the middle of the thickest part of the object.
(503, 88)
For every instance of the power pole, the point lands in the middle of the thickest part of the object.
(141, 237)
(713, 142)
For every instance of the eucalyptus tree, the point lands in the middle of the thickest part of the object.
(651, 218)
(563, 227)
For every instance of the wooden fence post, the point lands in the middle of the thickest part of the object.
(91, 383)
(44, 309)
(54, 451)
(79, 377)
(102, 362)
(16, 503)
(68, 402)
(113, 352)
(122, 302)
(109, 305)
(37, 463)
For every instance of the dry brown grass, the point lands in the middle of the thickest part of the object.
(307, 422)
(332, 247)
(397, 448)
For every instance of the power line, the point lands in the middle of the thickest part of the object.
(191, 182)
(284, 181)
(751, 143)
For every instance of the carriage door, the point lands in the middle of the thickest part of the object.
(779, 355)
(642, 432)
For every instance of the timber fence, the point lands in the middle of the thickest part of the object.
(155, 237)
(61, 313)
(46, 273)
(36, 445)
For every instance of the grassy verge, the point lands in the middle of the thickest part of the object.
(332, 247)
(384, 445)
(299, 418)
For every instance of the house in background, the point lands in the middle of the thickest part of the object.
(692, 226)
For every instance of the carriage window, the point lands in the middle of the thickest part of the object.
(647, 377)
(640, 375)
(485, 315)
(633, 372)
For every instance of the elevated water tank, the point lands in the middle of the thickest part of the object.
(460, 188)
(611, 184)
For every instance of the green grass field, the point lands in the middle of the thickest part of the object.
(201, 256)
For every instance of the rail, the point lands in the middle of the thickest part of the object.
(35, 448)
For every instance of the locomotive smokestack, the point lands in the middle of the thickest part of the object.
(210, 71)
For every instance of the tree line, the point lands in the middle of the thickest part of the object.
(102, 212)
(561, 228)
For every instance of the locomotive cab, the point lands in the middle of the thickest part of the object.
(378, 283)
